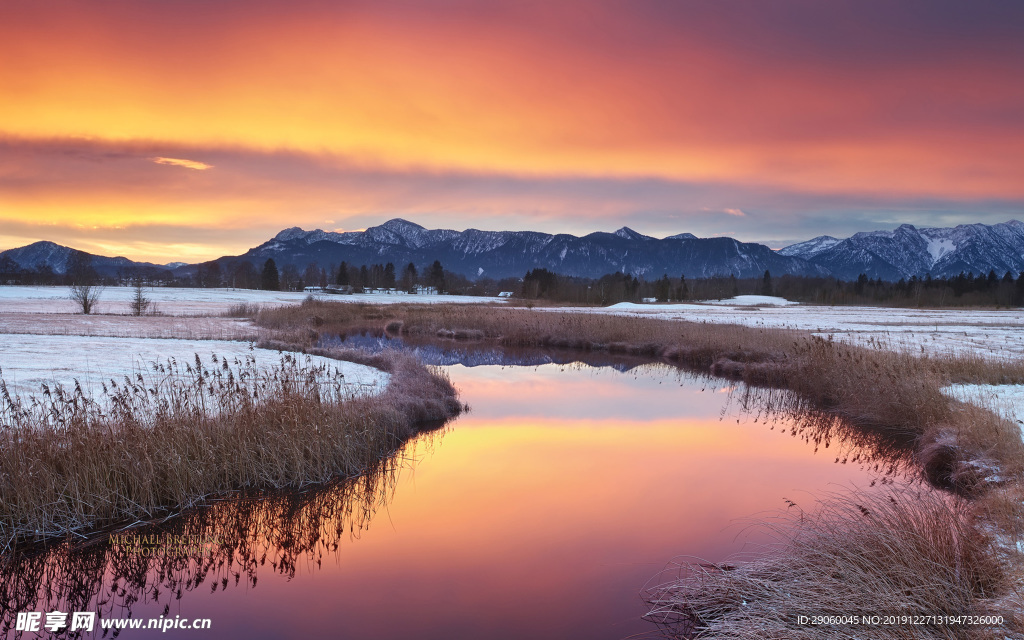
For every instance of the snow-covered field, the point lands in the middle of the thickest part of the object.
(995, 333)
(1006, 399)
(991, 333)
(183, 302)
(29, 361)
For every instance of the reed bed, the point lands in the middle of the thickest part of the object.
(827, 563)
(183, 433)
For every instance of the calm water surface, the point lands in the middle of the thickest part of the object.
(542, 513)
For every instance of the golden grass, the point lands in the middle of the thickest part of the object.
(191, 431)
(828, 562)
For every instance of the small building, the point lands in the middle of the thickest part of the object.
(505, 294)
(339, 289)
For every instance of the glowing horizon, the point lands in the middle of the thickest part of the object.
(221, 124)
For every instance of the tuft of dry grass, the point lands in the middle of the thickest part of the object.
(242, 310)
(827, 563)
(192, 431)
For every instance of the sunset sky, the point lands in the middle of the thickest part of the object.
(189, 129)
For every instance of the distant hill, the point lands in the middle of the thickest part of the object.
(57, 257)
(908, 251)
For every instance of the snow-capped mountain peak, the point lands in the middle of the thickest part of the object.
(908, 251)
(290, 234)
(809, 248)
(399, 225)
(628, 234)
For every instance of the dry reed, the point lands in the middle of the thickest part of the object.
(827, 563)
(186, 432)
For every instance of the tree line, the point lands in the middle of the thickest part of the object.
(962, 290)
(357, 278)
(965, 289)
(242, 274)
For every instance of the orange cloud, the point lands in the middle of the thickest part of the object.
(520, 89)
(823, 99)
(189, 164)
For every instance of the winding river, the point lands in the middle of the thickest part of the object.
(541, 513)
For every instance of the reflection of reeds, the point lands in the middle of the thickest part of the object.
(827, 563)
(887, 453)
(231, 542)
(190, 431)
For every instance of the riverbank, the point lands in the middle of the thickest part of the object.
(960, 447)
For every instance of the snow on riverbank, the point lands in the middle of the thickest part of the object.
(992, 333)
(29, 361)
(1007, 400)
(181, 301)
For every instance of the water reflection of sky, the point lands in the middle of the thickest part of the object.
(540, 514)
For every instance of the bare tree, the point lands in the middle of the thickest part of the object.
(85, 296)
(139, 303)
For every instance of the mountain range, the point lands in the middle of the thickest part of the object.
(890, 255)
(504, 254)
(908, 251)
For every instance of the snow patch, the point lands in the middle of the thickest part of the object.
(738, 301)
(939, 247)
(1007, 400)
(750, 301)
(29, 361)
